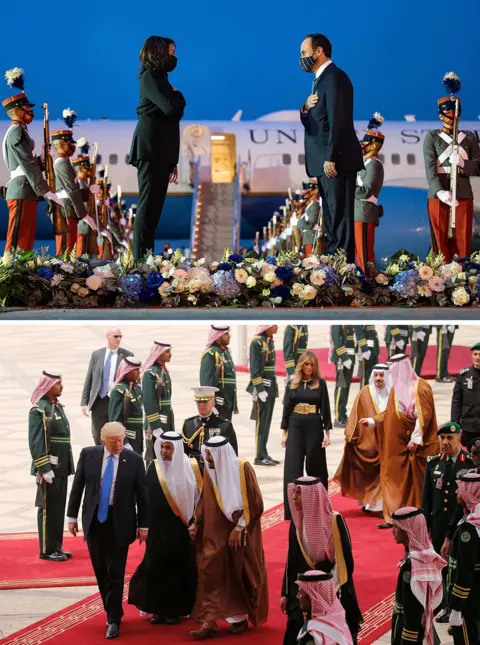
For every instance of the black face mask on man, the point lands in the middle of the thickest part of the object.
(307, 63)
(170, 63)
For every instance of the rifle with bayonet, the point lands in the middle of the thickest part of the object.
(54, 210)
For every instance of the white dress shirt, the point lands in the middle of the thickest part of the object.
(322, 68)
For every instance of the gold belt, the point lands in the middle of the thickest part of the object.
(305, 408)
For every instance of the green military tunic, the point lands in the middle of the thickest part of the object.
(49, 442)
(367, 340)
(125, 406)
(343, 340)
(262, 379)
(445, 334)
(466, 404)
(295, 341)
(157, 403)
(197, 430)
(419, 344)
(218, 370)
(396, 339)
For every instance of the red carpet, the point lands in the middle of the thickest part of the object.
(84, 622)
(460, 357)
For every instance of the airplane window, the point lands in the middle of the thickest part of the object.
(301, 160)
(113, 159)
(395, 159)
(382, 158)
(411, 159)
(286, 160)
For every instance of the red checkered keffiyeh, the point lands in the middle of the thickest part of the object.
(127, 365)
(427, 565)
(261, 329)
(46, 382)
(469, 490)
(215, 334)
(155, 353)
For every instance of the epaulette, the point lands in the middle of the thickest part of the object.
(434, 456)
(465, 369)
(207, 351)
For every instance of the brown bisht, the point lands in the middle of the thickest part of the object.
(359, 470)
(230, 583)
(402, 474)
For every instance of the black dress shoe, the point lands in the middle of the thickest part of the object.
(263, 462)
(157, 619)
(67, 554)
(274, 460)
(443, 616)
(172, 621)
(340, 424)
(53, 557)
(445, 379)
(239, 628)
(113, 631)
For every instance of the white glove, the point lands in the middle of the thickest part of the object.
(366, 355)
(94, 189)
(263, 396)
(400, 343)
(456, 160)
(451, 328)
(90, 222)
(446, 197)
(456, 618)
(421, 336)
(359, 181)
(348, 363)
(53, 197)
(48, 477)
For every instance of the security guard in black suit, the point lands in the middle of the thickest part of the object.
(466, 400)
(439, 498)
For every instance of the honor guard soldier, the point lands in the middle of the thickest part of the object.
(295, 341)
(466, 400)
(307, 224)
(66, 185)
(206, 424)
(445, 334)
(419, 336)
(369, 185)
(26, 185)
(343, 355)
(396, 339)
(451, 235)
(125, 404)
(368, 351)
(439, 497)
(49, 441)
(86, 237)
(263, 388)
(218, 370)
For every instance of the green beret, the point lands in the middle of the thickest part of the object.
(449, 428)
(475, 347)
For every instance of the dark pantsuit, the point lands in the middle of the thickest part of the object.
(341, 393)
(419, 351)
(153, 178)
(51, 517)
(264, 421)
(99, 417)
(109, 561)
(338, 204)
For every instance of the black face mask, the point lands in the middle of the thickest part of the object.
(307, 63)
(170, 63)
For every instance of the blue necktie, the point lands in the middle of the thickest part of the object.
(105, 490)
(106, 375)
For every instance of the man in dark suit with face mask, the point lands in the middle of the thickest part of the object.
(332, 149)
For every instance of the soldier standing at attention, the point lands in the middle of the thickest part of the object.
(218, 370)
(308, 224)
(445, 334)
(49, 441)
(295, 341)
(419, 336)
(342, 343)
(263, 388)
(396, 339)
(26, 185)
(125, 405)
(368, 351)
(439, 497)
(466, 400)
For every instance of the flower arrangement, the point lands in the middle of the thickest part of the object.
(288, 280)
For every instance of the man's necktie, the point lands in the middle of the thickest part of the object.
(448, 470)
(106, 375)
(105, 490)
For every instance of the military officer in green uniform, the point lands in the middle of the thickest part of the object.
(439, 497)
(205, 425)
(368, 352)
(295, 341)
(466, 400)
(125, 404)
(396, 339)
(464, 566)
(263, 388)
(218, 370)
(49, 442)
(343, 355)
(445, 334)
(419, 336)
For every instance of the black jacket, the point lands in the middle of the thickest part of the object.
(329, 129)
(157, 135)
(130, 493)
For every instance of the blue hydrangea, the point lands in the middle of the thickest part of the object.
(225, 285)
(330, 275)
(284, 273)
(281, 291)
(405, 283)
(154, 280)
(224, 266)
(235, 257)
(147, 295)
(132, 286)
(271, 259)
(45, 272)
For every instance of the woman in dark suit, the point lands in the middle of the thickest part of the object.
(156, 140)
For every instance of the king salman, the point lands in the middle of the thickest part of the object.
(232, 577)
(408, 432)
(164, 583)
(359, 470)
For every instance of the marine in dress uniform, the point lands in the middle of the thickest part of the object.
(343, 355)
(445, 334)
(396, 339)
(419, 336)
(263, 388)
(50, 447)
(368, 351)
(369, 185)
(125, 404)
(218, 370)
(205, 425)
(295, 341)
(26, 185)
(439, 155)
(466, 400)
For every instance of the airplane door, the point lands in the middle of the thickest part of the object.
(224, 158)
(196, 143)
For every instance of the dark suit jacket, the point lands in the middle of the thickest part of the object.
(93, 380)
(157, 135)
(130, 493)
(329, 129)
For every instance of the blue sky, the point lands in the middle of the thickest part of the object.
(243, 55)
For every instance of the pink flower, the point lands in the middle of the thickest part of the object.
(180, 274)
(311, 262)
(436, 284)
(381, 279)
(55, 281)
(318, 278)
(424, 290)
(425, 272)
(94, 282)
